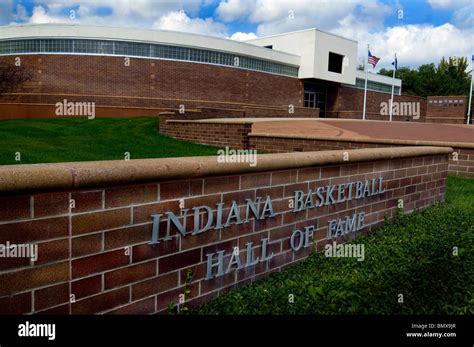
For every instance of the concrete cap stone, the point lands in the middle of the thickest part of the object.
(80, 175)
(366, 140)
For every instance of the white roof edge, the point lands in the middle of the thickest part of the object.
(177, 38)
(301, 31)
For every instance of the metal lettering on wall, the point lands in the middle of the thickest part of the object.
(261, 209)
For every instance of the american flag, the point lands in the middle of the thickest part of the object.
(373, 60)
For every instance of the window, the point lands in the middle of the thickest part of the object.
(269, 46)
(335, 62)
(310, 99)
(377, 86)
(140, 49)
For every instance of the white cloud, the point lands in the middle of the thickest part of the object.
(239, 36)
(179, 21)
(414, 44)
(230, 10)
(40, 16)
(445, 4)
(126, 13)
(464, 17)
(277, 16)
(362, 21)
(21, 14)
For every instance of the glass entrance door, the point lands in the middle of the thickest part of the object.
(315, 93)
(310, 99)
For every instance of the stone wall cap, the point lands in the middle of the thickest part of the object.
(220, 108)
(248, 120)
(367, 140)
(81, 175)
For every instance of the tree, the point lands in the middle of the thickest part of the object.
(407, 76)
(450, 77)
(11, 77)
(427, 81)
(453, 76)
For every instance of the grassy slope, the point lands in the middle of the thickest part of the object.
(60, 140)
(412, 255)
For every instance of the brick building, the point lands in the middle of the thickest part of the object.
(128, 72)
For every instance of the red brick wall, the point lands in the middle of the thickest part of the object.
(14, 111)
(281, 112)
(460, 164)
(150, 83)
(349, 101)
(216, 134)
(99, 252)
(446, 109)
(237, 136)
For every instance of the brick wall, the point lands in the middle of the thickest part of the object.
(149, 83)
(15, 110)
(208, 112)
(446, 109)
(239, 135)
(207, 133)
(348, 104)
(461, 163)
(162, 84)
(280, 112)
(95, 257)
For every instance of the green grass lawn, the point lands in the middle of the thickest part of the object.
(62, 140)
(411, 255)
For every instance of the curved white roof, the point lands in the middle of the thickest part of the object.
(78, 31)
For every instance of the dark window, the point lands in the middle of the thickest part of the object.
(335, 62)
(269, 46)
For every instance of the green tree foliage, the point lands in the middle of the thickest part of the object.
(450, 77)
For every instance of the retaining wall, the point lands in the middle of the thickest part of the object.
(93, 223)
(461, 162)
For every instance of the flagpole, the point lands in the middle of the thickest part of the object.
(470, 92)
(365, 87)
(393, 85)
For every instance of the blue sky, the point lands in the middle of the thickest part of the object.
(420, 31)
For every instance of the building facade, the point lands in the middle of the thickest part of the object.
(128, 72)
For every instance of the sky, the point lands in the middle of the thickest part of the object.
(419, 31)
